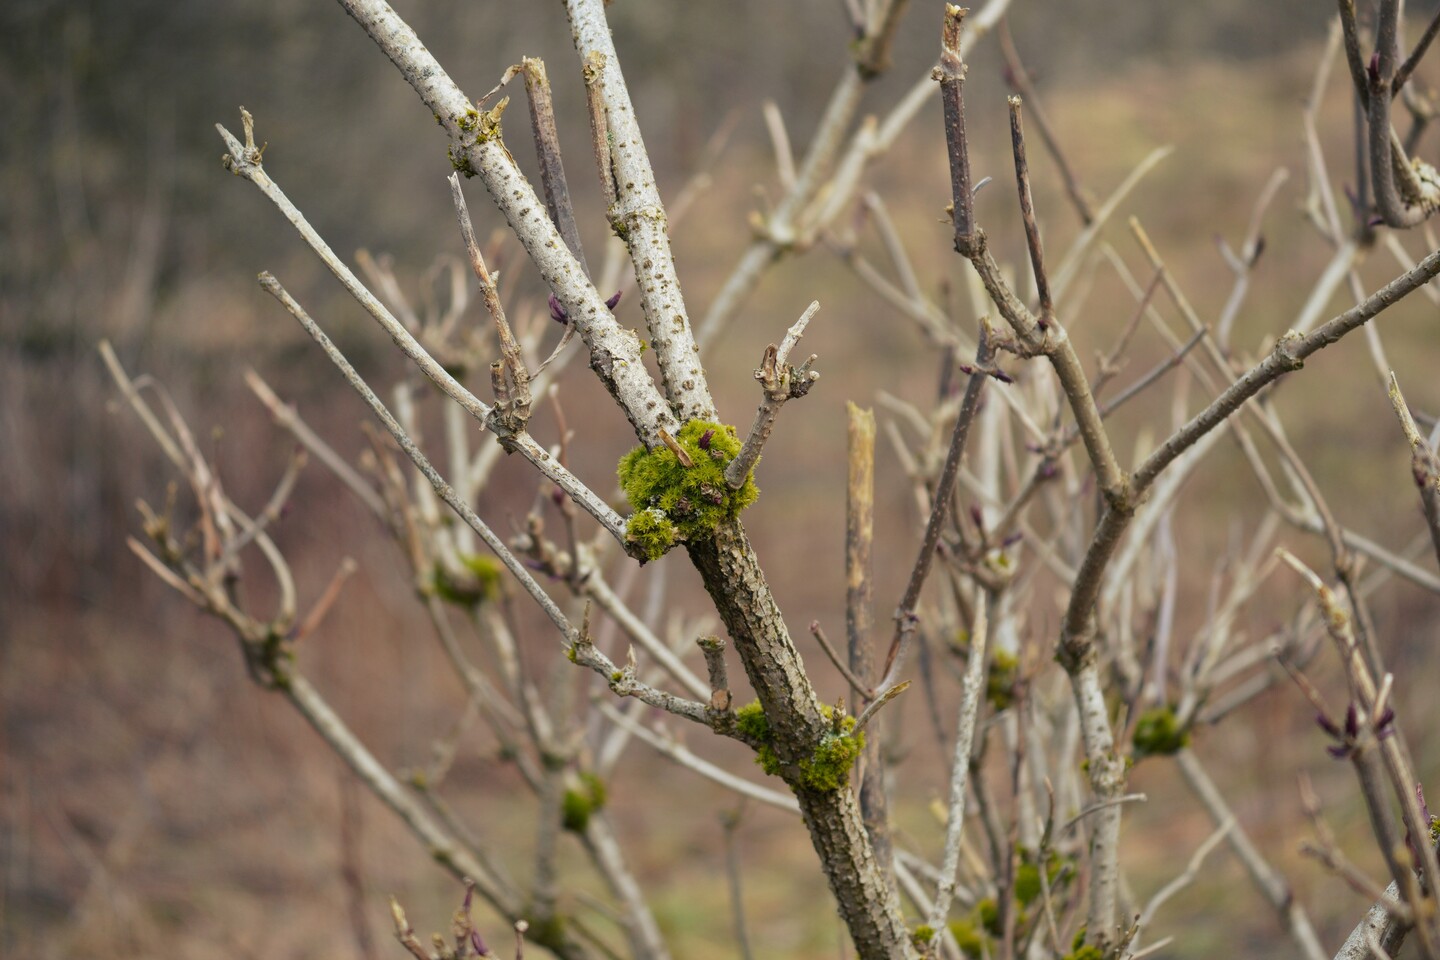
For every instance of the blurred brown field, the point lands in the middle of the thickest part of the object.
(157, 802)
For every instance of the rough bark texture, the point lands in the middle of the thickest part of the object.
(732, 576)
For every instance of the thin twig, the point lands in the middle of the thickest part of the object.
(244, 161)
(1424, 464)
(861, 690)
(1027, 210)
(905, 617)
(779, 382)
(973, 693)
(1020, 79)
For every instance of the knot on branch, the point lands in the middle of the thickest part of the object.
(1077, 648)
(782, 236)
(1419, 186)
(472, 128)
(242, 160)
(624, 219)
(511, 412)
(1284, 351)
(779, 382)
(783, 381)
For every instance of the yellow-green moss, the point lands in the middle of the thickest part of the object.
(479, 581)
(578, 804)
(751, 721)
(475, 127)
(1158, 733)
(547, 931)
(922, 935)
(987, 914)
(1080, 950)
(971, 941)
(1001, 678)
(673, 503)
(827, 768)
(651, 530)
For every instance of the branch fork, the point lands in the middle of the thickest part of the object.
(779, 382)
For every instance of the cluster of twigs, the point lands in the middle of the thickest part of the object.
(1017, 477)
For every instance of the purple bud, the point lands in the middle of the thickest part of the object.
(614, 300)
(557, 310)
(1385, 726)
(1339, 753)
(1352, 721)
(1013, 539)
(705, 437)
(1373, 67)
(1002, 376)
(1327, 726)
(1259, 249)
(978, 517)
(478, 944)
(557, 496)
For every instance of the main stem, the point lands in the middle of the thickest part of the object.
(737, 585)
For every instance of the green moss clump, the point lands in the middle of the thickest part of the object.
(1027, 875)
(971, 941)
(578, 804)
(1158, 734)
(575, 811)
(547, 931)
(599, 793)
(651, 530)
(827, 768)
(1080, 950)
(987, 914)
(1001, 678)
(751, 721)
(475, 128)
(673, 503)
(922, 935)
(478, 582)
(976, 934)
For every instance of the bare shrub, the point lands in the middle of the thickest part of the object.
(1029, 513)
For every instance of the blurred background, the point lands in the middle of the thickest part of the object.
(154, 800)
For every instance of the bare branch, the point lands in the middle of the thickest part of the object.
(974, 693)
(1423, 463)
(779, 381)
(244, 161)
(639, 218)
